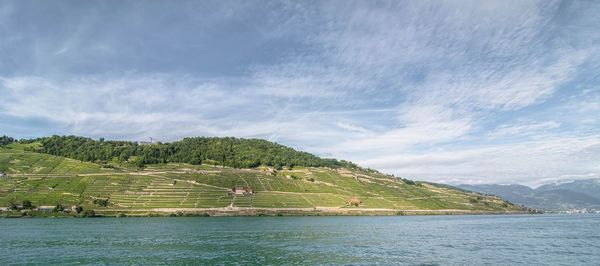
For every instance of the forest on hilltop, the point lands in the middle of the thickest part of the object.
(227, 151)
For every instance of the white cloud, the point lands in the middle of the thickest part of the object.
(531, 162)
(163, 107)
(451, 91)
(351, 127)
(418, 125)
(525, 129)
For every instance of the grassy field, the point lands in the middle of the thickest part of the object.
(46, 180)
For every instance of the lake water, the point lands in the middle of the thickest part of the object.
(406, 240)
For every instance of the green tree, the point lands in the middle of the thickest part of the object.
(139, 162)
(5, 140)
(12, 205)
(59, 207)
(27, 204)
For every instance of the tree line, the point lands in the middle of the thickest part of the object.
(227, 151)
(5, 140)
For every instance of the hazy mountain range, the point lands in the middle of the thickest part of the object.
(561, 196)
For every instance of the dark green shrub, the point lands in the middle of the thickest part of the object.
(88, 213)
(101, 202)
(27, 205)
(59, 207)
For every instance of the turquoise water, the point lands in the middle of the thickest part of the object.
(409, 240)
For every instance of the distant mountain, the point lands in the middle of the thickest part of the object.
(561, 196)
(590, 187)
(560, 199)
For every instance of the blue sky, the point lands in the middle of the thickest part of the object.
(445, 91)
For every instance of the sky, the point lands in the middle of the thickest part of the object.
(444, 91)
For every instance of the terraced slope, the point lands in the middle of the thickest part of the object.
(46, 179)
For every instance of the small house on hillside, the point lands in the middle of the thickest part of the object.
(354, 201)
(3, 175)
(45, 208)
(70, 209)
(242, 191)
(238, 190)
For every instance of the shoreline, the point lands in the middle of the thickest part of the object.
(250, 212)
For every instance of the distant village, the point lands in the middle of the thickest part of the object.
(576, 211)
(27, 206)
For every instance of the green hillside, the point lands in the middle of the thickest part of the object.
(111, 189)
